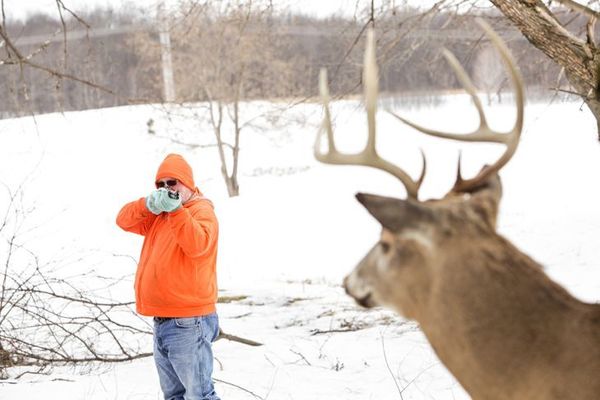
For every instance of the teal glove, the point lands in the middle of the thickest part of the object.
(151, 202)
(159, 201)
(167, 203)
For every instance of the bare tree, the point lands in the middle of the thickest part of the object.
(62, 61)
(488, 74)
(573, 49)
(224, 54)
(49, 318)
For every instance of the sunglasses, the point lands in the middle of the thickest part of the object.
(170, 183)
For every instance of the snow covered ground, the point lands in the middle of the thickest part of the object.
(292, 235)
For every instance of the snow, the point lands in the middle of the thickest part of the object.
(293, 234)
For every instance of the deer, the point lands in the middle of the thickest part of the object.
(498, 323)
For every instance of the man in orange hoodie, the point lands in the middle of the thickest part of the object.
(176, 281)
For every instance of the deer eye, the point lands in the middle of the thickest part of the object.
(385, 247)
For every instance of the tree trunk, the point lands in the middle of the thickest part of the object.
(235, 151)
(233, 188)
(231, 182)
(579, 57)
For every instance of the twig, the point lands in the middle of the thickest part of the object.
(239, 387)
(557, 89)
(301, 356)
(193, 146)
(387, 364)
(74, 15)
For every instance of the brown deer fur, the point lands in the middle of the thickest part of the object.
(495, 319)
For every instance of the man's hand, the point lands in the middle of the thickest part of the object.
(159, 201)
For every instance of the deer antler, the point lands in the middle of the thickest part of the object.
(368, 156)
(483, 133)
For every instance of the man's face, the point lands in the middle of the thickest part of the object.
(173, 184)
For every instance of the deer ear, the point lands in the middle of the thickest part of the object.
(395, 214)
(485, 201)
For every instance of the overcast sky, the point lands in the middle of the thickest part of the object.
(320, 8)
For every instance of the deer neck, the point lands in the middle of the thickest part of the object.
(494, 317)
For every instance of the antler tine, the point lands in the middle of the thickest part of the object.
(368, 156)
(483, 133)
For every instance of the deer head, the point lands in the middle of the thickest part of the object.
(500, 325)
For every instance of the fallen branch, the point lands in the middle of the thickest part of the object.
(233, 338)
(320, 332)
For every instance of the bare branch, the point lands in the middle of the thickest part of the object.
(544, 13)
(573, 5)
(26, 60)
(3, 13)
(64, 31)
(45, 320)
(590, 28)
(60, 4)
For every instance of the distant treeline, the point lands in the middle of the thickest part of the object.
(287, 53)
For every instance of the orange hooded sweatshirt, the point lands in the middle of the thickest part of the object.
(176, 274)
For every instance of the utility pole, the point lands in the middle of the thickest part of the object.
(165, 53)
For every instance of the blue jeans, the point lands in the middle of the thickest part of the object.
(184, 358)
